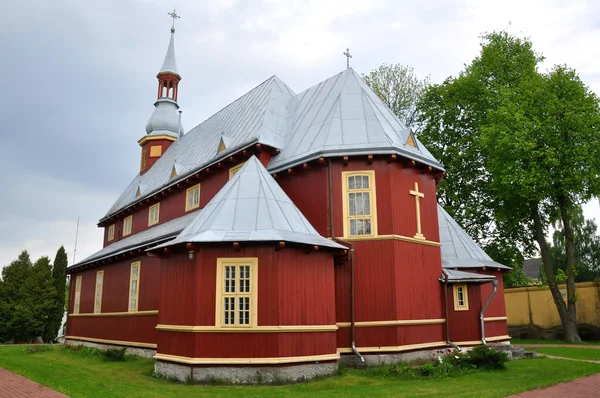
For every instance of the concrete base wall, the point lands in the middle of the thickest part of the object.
(137, 351)
(245, 375)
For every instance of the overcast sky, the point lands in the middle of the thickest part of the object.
(79, 81)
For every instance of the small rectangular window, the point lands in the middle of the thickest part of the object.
(192, 198)
(127, 225)
(360, 215)
(236, 292)
(111, 232)
(235, 169)
(155, 151)
(144, 160)
(134, 286)
(153, 214)
(461, 298)
(77, 300)
(98, 295)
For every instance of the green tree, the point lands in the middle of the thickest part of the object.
(543, 152)
(59, 280)
(400, 90)
(40, 297)
(587, 248)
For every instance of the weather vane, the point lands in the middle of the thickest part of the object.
(174, 16)
(348, 56)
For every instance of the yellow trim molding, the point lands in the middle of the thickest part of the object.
(147, 138)
(257, 329)
(495, 319)
(400, 322)
(396, 237)
(477, 342)
(246, 361)
(409, 347)
(133, 313)
(116, 342)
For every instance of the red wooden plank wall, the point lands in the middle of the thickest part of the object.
(465, 325)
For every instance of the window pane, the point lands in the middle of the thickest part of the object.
(365, 182)
(133, 285)
(134, 271)
(367, 226)
(352, 227)
(352, 204)
(358, 182)
(350, 182)
(359, 204)
(359, 227)
(366, 204)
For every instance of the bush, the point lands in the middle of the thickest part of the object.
(114, 354)
(427, 369)
(484, 357)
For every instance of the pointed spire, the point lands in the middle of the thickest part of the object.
(170, 64)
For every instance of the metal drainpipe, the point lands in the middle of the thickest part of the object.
(352, 326)
(495, 285)
(450, 343)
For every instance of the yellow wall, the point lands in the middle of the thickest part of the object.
(533, 306)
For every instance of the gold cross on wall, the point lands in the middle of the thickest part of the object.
(418, 195)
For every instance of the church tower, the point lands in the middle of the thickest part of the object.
(164, 126)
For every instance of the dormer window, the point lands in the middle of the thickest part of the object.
(111, 233)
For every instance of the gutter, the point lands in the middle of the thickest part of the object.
(489, 300)
(352, 279)
(448, 341)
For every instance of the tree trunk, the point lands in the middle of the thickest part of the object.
(550, 274)
(571, 334)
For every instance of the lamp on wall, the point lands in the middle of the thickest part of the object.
(191, 255)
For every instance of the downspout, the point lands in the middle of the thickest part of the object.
(331, 229)
(448, 341)
(489, 300)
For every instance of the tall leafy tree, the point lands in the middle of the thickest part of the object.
(542, 146)
(400, 89)
(59, 281)
(40, 298)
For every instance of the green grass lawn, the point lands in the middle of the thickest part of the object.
(540, 341)
(79, 375)
(575, 353)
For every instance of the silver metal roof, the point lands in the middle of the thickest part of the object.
(458, 249)
(170, 64)
(251, 207)
(159, 233)
(455, 276)
(257, 116)
(343, 116)
(340, 116)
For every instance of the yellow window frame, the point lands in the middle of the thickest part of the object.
(134, 278)
(461, 297)
(98, 292)
(235, 169)
(144, 160)
(77, 300)
(222, 295)
(371, 191)
(111, 232)
(153, 220)
(189, 194)
(127, 225)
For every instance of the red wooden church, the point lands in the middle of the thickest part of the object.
(283, 234)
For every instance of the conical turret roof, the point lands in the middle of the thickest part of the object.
(170, 63)
(252, 207)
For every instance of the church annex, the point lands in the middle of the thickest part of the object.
(285, 233)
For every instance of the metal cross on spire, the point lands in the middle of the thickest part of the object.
(348, 56)
(174, 16)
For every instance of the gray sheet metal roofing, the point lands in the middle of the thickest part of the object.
(462, 276)
(159, 233)
(170, 64)
(458, 249)
(251, 207)
(339, 116)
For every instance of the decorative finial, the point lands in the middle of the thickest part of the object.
(348, 56)
(174, 16)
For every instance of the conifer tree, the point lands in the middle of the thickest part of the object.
(59, 280)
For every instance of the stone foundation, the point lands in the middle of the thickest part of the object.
(245, 375)
(137, 351)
